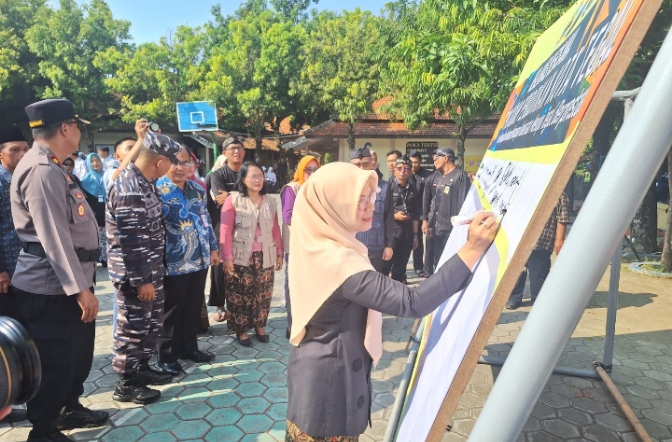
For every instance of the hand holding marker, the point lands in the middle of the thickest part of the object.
(460, 220)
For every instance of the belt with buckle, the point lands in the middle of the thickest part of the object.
(36, 249)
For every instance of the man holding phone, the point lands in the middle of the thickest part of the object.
(136, 244)
(406, 201)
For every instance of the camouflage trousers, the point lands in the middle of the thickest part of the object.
(137, 325)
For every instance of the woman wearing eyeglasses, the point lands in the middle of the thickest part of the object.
(307, 166)
(191, 247)
(337, 328)
(251, 248)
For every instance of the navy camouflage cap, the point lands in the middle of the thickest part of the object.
(162, 145)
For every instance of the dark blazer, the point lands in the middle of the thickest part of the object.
(329, 373)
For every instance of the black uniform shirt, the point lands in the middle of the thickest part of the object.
(420, 179)
(405, 199)
(450, 193)
(223, 179)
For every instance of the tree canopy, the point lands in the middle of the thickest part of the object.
(273, 60)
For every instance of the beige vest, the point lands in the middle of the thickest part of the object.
(247, 219)
(294, 187)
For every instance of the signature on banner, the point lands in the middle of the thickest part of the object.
(499, 181)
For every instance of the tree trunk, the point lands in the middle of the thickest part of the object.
(644, 226)
(351, 135)
(666, 259)
(89, 137)
(604, 131)
(461, 140)
(257, 145)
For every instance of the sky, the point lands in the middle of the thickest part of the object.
(153, 19)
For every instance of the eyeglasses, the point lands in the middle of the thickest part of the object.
(403, 169)
(366, 199)
(310, 170)
(256, 177)
(235, 148)
(185, 164)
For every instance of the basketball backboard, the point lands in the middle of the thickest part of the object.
(196, 115)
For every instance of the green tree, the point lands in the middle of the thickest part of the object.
(151, 78)
(69, 41)
(293, 10)
(343, 58)
(18, 66)
(249, 74)
(461, 61)
(644, 225)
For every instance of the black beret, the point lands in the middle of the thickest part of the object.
(356, 154)
(11, 134)
(46, 112)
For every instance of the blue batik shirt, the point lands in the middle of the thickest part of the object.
(189, 234)
(10, 244)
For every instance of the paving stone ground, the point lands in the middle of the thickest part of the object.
(242, 394)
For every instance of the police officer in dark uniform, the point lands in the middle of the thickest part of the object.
(54, 276)
(406, 202)
(449, 188)
(421, 174)
(136, 243)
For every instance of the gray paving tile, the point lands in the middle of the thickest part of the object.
(244, 390)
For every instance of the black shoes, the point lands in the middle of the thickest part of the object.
(261, 338)
(148, 376)
(130, 390)
(421, 274)
(513, 305)
(199, 356)
(137, 394)
(56, 436)
(247, 342)
(16, 415)
(172, 368)
(81, 417)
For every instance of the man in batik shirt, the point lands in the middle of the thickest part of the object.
(191, 247)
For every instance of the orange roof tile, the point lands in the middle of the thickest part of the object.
(388, 129)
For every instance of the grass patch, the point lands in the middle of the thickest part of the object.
(654, 267)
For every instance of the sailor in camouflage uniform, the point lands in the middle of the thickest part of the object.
(136, 256)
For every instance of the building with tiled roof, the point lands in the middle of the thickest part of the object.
(386, 133)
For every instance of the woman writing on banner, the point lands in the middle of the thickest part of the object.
(94, 189)
(337, 327)
(252, 250)
(307, 166)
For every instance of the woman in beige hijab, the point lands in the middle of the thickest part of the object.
(337, 298)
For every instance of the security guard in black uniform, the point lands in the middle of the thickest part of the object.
(54, 275)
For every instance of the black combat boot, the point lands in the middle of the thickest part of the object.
(129, 390)
(81, 417)
(146, 375)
